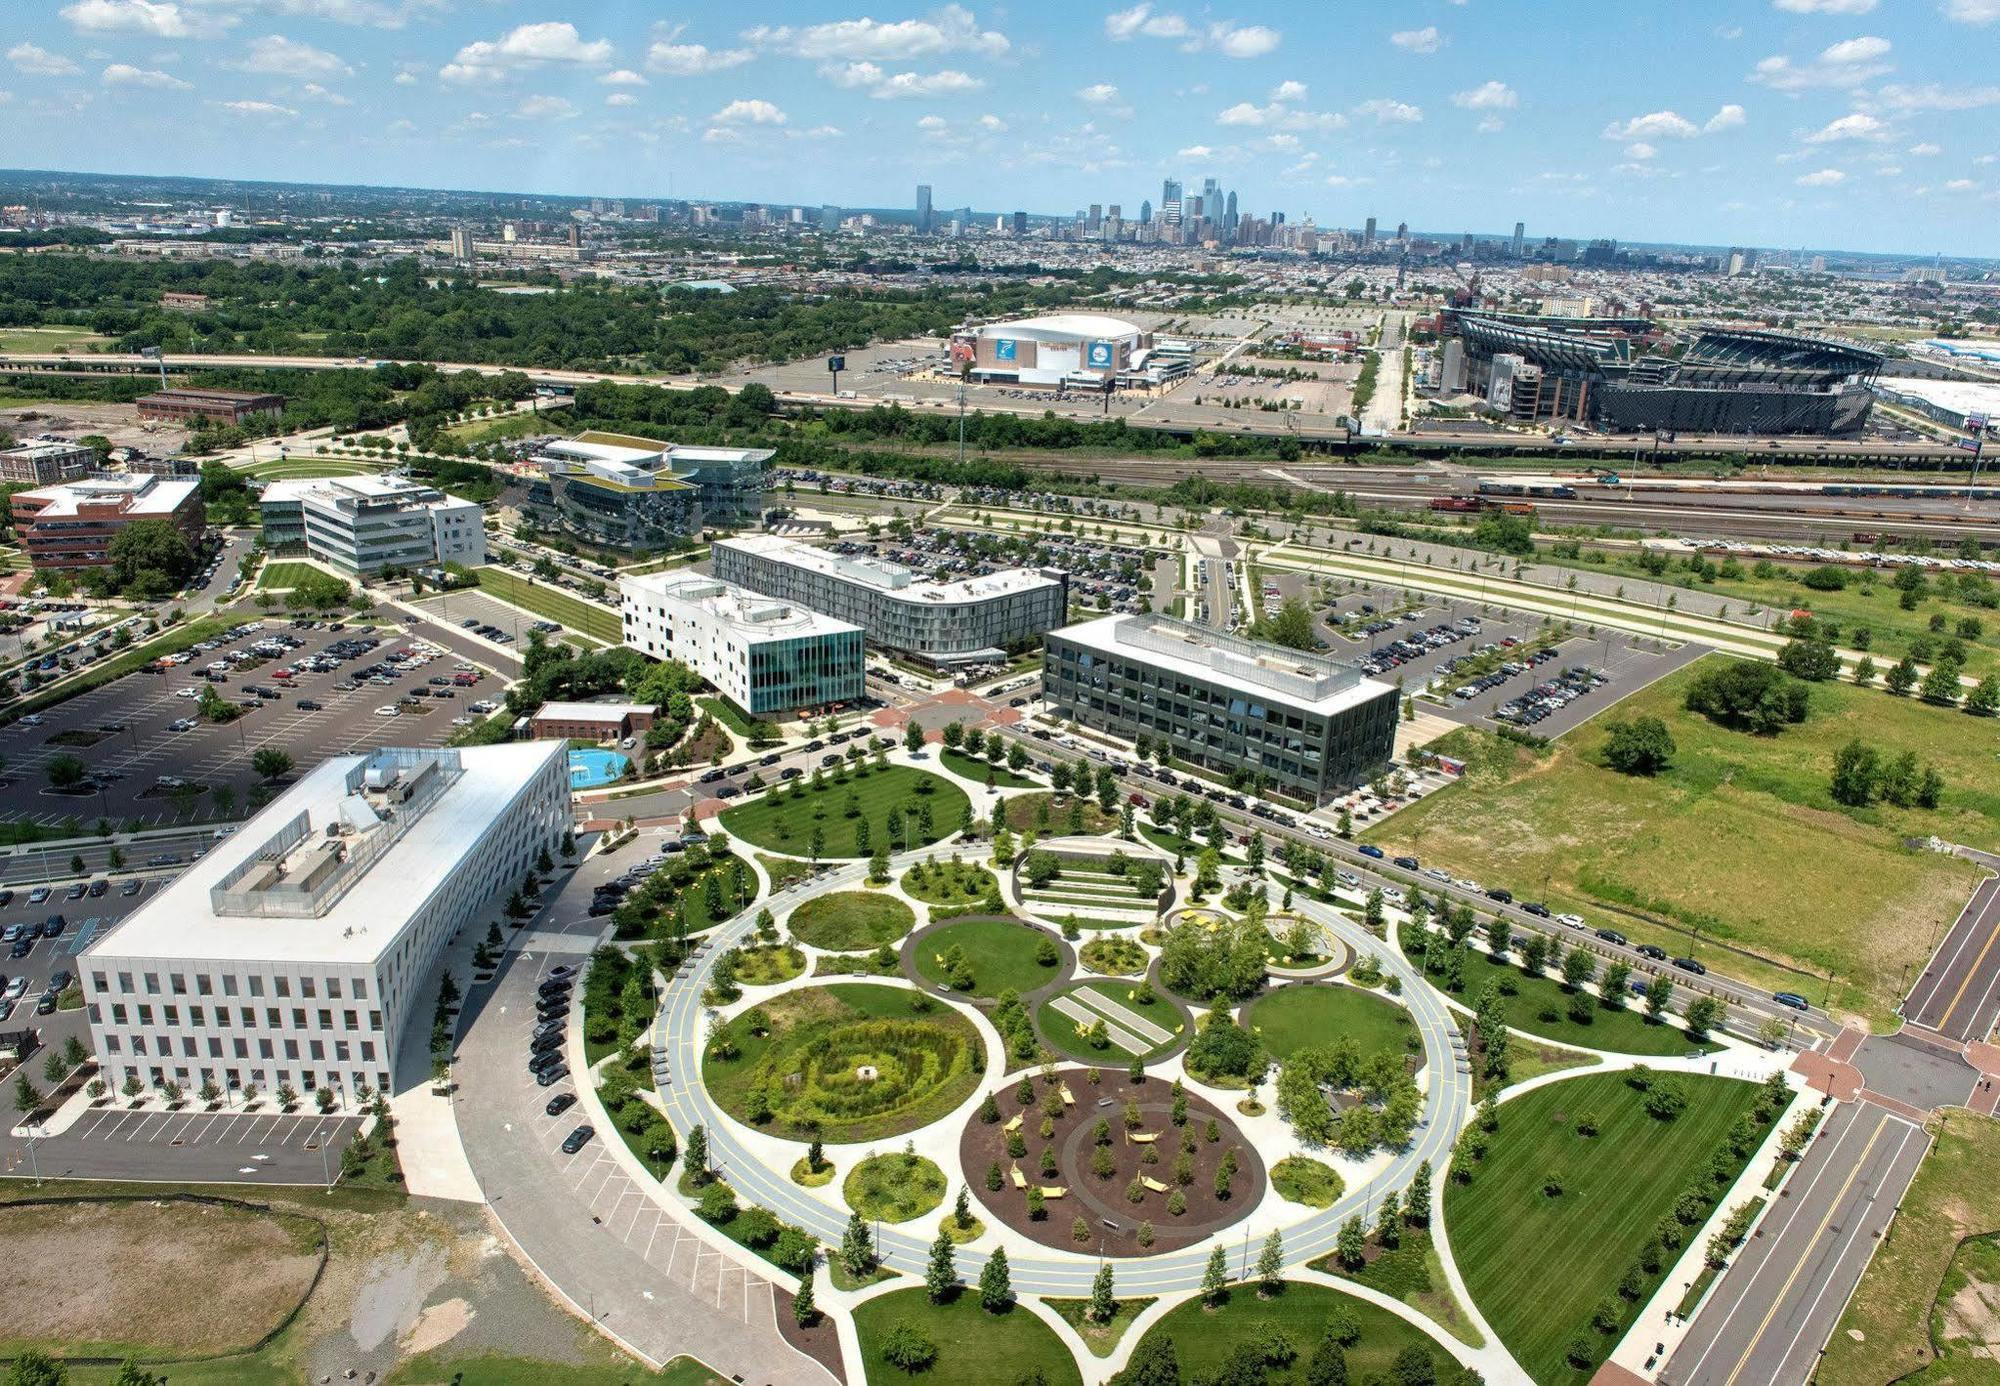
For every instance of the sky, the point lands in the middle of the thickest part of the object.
(1829, 124)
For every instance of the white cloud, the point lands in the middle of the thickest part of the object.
(257, 108)
(1848, 63)
(1289, 91)
(1098, 94)
(1858, 126)
(1889, 171)
(1487, 96)
(1825, 6)
(1971, 11)
(1249, 41)
(39, 62)
(1228, 38)
(279, 56)
(1492, 125)
(1341, 180)
(1193, 151)
(1926, 150)
(1822, 178)
(159, 18)
(992, 123)
(1424, 40)
(1279, 115)
(621, 98)
(126, 75)
(1387, 112)
(822, 132)
(1932, 96)
(852, 75)
(948, 82)
(1639, 149)
(750, 111)
(1725, 118)
(526, 46)
(721, 134)
(949, 30)
(623, 77)
(545, 108)
(694, 59)
(402, 127)
(1242, 113)
(373, 13)
(1866, 49)
(1653, 125)
(313, 91)
(1960, 185)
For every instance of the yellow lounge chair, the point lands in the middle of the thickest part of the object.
(1055, 1191)
(1068, 1097)
(1142, 1137)
(1155, 1185)
(1020, 1180)
(1015, 1124)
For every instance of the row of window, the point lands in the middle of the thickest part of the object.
(251, 984)
(239, 1047)
(274, 1017)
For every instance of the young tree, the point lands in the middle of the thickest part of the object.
(941, 1275)
(804, 1312)
(996, 1289)
(1642, 746)
(913, 737)
(1271, 1265)
(1352, 1247)
(1215, 1277)
(1417, 1205)
(1103, 1305)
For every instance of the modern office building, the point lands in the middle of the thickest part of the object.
(626, 492)
(72, 524)
(924, 224)
(765, 654)
(45, 462)
(299, 949)
(972, 620)
(1312, 726)
(217, 406)
(363, 524)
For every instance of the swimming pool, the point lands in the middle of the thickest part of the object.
(590, 769)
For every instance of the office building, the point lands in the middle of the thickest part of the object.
(766, 655)
(462, 245)
(1451, 371)
(364, 524)
(975, 620)
(626, 492)
(1020, 223)
(829, 217)
(1368, 233)
(45, 463)
(72, 524)
(1310, 726)
(1520, 238)
(217, 406)
(299, 950)
(924, 222)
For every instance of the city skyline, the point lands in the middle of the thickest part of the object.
(1791, 118)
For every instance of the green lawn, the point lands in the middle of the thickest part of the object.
(970, 1342)
(1311, 1182)
(31, 340)
(1060, 1031)
(953, 885)
(1739, 837)
(311, 468)
(1413, 1272)
(785, 821)
(286, 575)
(851, 920)
(572, 613)
(1001, 953)
(1540, 1006)
(1204, 1339)
(1539, 1266)
(754, 732)
(1289, 1018)
(959, 763)
(894, 1187)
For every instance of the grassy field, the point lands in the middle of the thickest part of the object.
(1204, 1339)
(1540, 1006)
(1538, 1266)
(1738, 837)
(851, 920)
(310, 468)
(1000, 952)
(552, 603)
(1413, 1272)
(894, 1187)
(286, 575)
(1954, 1196)
(959, 763)
(1060, 1031)
(1289, 1018)
(46, 339)
(953, 885)
(1311, 1182)
(969, 1341)
(783, 821)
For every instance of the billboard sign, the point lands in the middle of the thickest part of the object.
(1975, 422)
(1968, 444)
(1003, 348)
(1097, 355)
(836, 363)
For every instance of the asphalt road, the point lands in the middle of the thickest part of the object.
(1958, 994)
(1767, 1319)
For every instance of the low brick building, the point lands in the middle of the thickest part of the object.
(72, 525)
(591, 721)
(218, 406)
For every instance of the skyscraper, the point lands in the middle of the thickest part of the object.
(1020, 223)
(1170, 197)
(1520, 238)
(1096, 216)
(1229, 214)
(923, 209)
(1368, 235)
(1145, 212)
(829, 217)
(1402, 230)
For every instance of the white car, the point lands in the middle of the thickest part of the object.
(1574, 921)
(187, 692)
(1347, 878)
(390, 711)
(1392, 894)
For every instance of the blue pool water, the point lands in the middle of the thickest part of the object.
(590, 769)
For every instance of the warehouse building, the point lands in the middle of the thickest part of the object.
(300, 949)
(217, 406)
(975, 620)
(1312, 727)
(766, 655)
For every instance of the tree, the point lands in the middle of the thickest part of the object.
(1856, 774)
(130, 1373)
(996, 1289)
(1103, 1305)
(1578, 968)
(1328, 1364)
(66, 772)
(1941, 685)
(1902, 677)
(857, 1247)
(913, 737)
(1704, 1014)
(270, 762)
(1271, 1265)
(908, 1350)
(803, 1310)
(941, 1275)
(1810, 659)
(1642, 746)
(1292, 626)
(1659, 992)
(1352, 1247)
(1417, 1205)
(150, 558)
(32, 1368)
(27, 1096)
(1154, 1363)
(1215, 1277)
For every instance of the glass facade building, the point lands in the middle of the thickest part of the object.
(768, 657)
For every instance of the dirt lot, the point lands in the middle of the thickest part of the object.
(72, 418)
(143, 1259)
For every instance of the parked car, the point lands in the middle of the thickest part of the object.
(577, 1140)
(559, 1104)
(1612, 936)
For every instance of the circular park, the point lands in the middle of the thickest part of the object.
(851, 921)
(982, 956)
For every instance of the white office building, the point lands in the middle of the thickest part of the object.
(766, 655)
(969, 620)
(299, 949)
(363, 524)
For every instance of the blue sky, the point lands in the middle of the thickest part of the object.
(1858, 124)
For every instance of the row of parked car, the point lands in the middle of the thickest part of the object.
(1416, 644)
(545, 1048)
(1513, 668)
(1545, 699)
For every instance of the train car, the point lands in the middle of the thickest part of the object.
(1551, 490)
(1456, 503)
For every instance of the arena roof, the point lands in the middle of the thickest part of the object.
(1064, 325)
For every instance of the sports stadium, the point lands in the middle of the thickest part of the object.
(1616, 374)
(1086, 350)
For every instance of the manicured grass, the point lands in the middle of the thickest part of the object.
(851, 920)
(1540, 1006)
(1412, 1272)
(959, 763)
(953, 885)
(1060, 1031)
(785, 821)
(783, 871)
(310, 468)
(1882, 1334)
(970, 1342)
(1101, 1338)
(1204, 1339)
(1050, 816)
(1290, 1018)
(572, 613)
(1739, 835)
(1000, 952)
(285, 575)
(731, 716)
(1311, 1182)
(894, 1187)
(41, 340)
(815, 1040)
(1538, 1266)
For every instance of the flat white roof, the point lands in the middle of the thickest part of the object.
(884, 576)
(750, 616)
(1269, 673)
(591, 712)
(41, 447)
(1064, 325)
(575, 450)
(181, 922)
(1962, 396)
(142, 494)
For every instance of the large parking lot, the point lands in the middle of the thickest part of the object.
(150, 758)
(192, 1145)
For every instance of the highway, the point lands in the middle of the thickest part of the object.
(680, 1032)
(1765, 1322)
(1959, 989)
